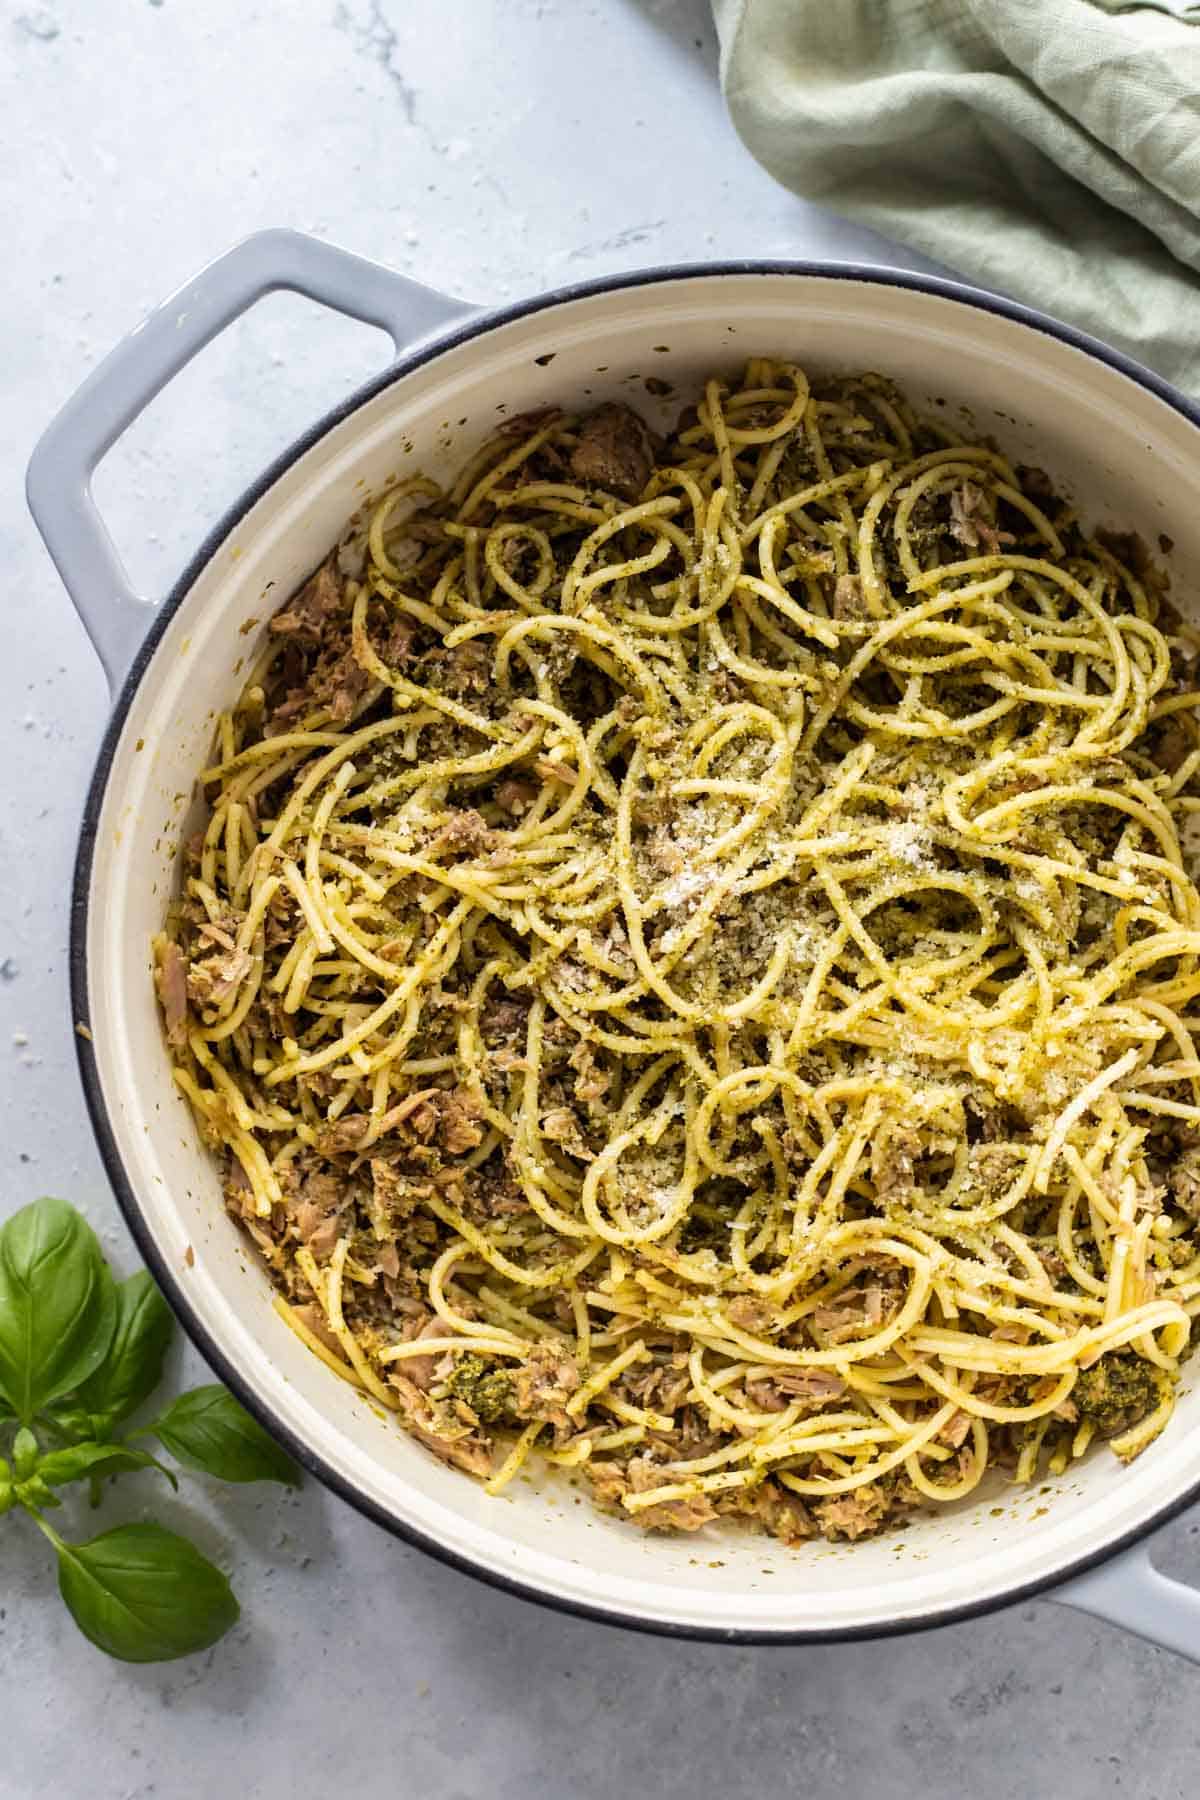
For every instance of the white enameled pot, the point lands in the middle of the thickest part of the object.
(1125, 445)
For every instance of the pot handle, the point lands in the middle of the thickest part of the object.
(1130, 1592)
(58, 481)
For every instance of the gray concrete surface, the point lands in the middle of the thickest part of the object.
(492, 147)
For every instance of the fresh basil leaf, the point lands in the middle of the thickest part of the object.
(77, 1461)
(143, 1594)
(57, 1305)
(24, 1453)
(71, 1422)
(208, 1430)
(132, 1369)
(33, 1492)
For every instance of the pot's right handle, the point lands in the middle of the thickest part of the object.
(58, 483)
(1129, 1591)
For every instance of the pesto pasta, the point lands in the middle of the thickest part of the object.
(689, 961)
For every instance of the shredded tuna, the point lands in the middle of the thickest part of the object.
(775, 1392)
(420, 1369)
(348, 682)
(516, 797)
(592, 1082)
(497, 1197)
(662, 1387)
(387, 1260)
(469, 668)
(543, 1384)
(466, 831)
(214, 978)
(315, 1212)
(838, 1323)
(688, 1513)
(849, 601)
(395, 1193)
(612, 1481)
(893, 1157)
(1053, 1263)
(750, 1314)
(615, 451)
(171, 980)
(504, 1021)
(969, 522)
(550, 770)
(311, 1316)
(460, 1129)
(856, 1514)
(1184, 1183)
(609, 1482)
(239, 1195)
(783, 1514)
(308, 614)
(1173, 745)
(398, 650)
(562, 1127)
(441, 1428)
(956, 1430)
(345, 1135)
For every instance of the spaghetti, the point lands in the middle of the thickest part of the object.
(688, 964)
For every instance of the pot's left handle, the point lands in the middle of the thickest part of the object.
(1130, 1592)
(58, 483)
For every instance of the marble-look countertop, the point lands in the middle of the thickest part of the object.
(491, 147)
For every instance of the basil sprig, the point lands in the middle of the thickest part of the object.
(79, 1355)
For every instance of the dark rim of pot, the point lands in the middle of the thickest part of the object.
(166, 1276)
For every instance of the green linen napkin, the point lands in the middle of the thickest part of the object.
(1049, 149)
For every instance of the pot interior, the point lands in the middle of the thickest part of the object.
(1124, 454)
